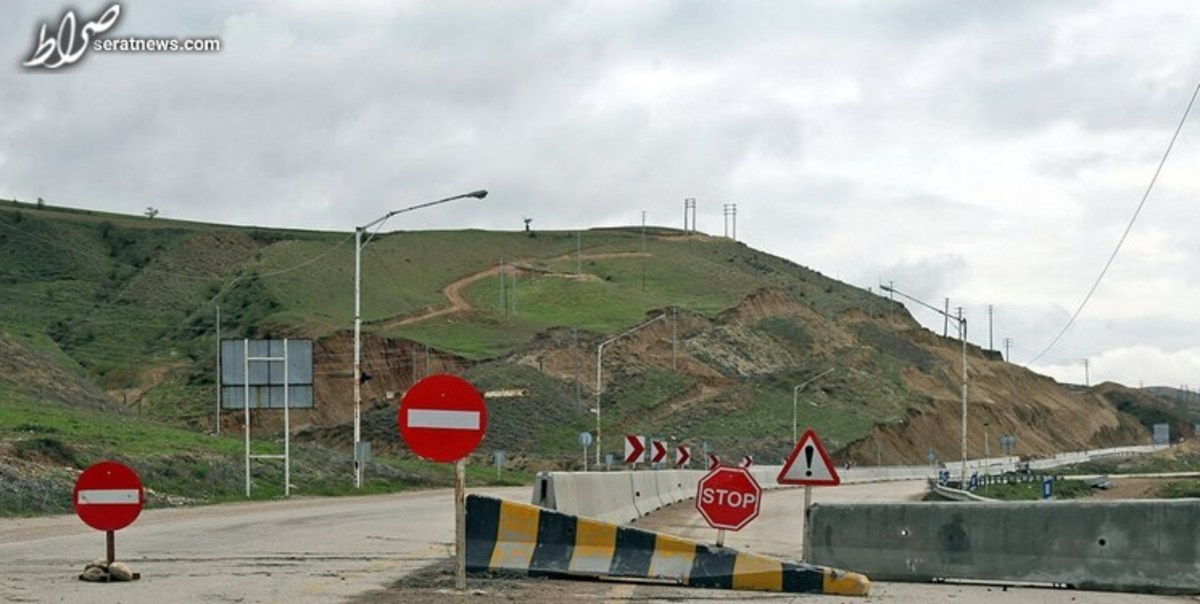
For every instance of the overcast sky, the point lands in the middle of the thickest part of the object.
(988, 152)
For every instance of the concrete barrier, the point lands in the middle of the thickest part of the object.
(644, 488)
(626, 496)
(671, 488)
(608, 499)
(509, 537)
(1134, 546)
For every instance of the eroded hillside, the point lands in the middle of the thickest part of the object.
(891, 393)
(132, 304)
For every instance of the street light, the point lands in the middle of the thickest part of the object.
(795, 394)
(987, 447)
(358, 246)
(599, 357)
(960, 323)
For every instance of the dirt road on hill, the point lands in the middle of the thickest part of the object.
(458, 303)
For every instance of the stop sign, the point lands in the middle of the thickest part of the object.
(728, 498)
(108, 496)
(442, 418)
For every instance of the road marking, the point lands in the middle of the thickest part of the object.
(108, 496)
(448, 420)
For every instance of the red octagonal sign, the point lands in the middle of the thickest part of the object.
(442, 418)
(728, 498)
(108, 496)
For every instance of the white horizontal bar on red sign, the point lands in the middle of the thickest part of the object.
(108, 497)
(446, 420)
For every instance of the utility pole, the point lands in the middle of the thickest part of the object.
(1087, 380)
(674, 338)
(990, 347)
(1007, 343)
(643, 231)
(733, 219)
(218, 428)
(643, 250)
(730, 213)
(689, 209)
(960, 314)
(578, 369)
(946, 320)
(503, 299)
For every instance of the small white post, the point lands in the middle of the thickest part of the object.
(287, 424)
(246, 405)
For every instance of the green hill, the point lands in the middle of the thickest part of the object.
(120, 314)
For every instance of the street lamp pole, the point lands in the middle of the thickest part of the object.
(358, 246)
(960, 323)
(599, 358)
(795, 395)
(987, 447)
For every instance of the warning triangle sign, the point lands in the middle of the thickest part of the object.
(809, 464)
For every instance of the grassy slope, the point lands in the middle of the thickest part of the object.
(125, 293)
(177, 464)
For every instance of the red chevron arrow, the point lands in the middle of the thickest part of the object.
(635, 448)
(660, 451)
(682, 456)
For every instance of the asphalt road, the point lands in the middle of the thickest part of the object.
(297, 551)
(328, 550)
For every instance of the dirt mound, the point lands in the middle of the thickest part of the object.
(41, 376)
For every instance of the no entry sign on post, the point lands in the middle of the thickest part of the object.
(108, 496)
(442, 418)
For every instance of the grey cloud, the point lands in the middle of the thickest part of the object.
(325, 116)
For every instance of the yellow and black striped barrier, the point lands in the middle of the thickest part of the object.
(505, 536)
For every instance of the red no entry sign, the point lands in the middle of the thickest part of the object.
(728, 498)
(108, 496)
(442, 418)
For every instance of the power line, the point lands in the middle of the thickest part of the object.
(1129, 227)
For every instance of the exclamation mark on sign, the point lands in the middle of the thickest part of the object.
(808, 455)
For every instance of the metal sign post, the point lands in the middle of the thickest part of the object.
(808, 465)
(287, 426)
(806, 549)
(585, 439)
(460, 524)
(443, 418)
(108, 496)
(251, 377)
